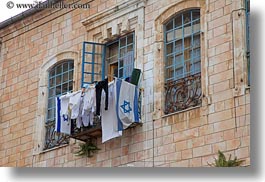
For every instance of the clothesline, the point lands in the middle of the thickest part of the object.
(120, 101)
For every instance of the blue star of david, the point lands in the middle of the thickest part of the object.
(126, 107)
(65, 117)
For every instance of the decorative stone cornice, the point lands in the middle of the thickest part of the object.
(108, 15)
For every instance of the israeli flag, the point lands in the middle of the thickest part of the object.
(126, 104)
(62, 121)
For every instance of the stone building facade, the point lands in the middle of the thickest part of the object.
(182, 135)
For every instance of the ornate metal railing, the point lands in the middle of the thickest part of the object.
(52, 138)
(183, 93)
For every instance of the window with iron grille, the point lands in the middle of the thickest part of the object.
(247, 6)
(60, 81)
(182, 61)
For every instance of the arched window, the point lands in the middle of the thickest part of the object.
(182, 61)
(60, 81)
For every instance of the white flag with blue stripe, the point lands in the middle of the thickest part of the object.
(62, 120)
(126, 104)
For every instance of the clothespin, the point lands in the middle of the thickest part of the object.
(85, 86)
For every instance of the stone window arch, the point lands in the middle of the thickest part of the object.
(47, 74)
(170, 14)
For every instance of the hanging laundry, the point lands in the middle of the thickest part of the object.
(62, 121)
(126, 104)
(102, 85)
(109, 120)
(89, 106)
(74, 105)
(65, 104)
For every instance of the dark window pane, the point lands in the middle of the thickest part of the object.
(169, 25)
(187, 67)
(178, 46)
(123, 42)
(196, 41)
(65, 77)
(170, 72)
(65, 67)
(186, 17)
(169, 60)
(71, 74)
(70, 86)
(64, 88)
(52, 73)
(52, 92)
(122, 52)
(52, 82)
(130, 39)
(130, 48)
(170, 48)
(178, 21)
(59, 69)
(58, 90)
(187, 42)
(71, 65)
(121, 62)
(58, 80)
(195, 15)
(121, 73)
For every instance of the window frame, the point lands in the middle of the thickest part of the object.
(59, 139)
(183, 49)
(104, 60)
(120, 47)
(190, 81)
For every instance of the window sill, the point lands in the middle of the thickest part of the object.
(54, 148)
(185, 110)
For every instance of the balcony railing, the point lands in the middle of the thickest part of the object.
(85, 133)
(183, 93)
(52, 138)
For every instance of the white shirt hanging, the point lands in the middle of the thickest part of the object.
(109, 120)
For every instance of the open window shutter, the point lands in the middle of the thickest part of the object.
(93, 62)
